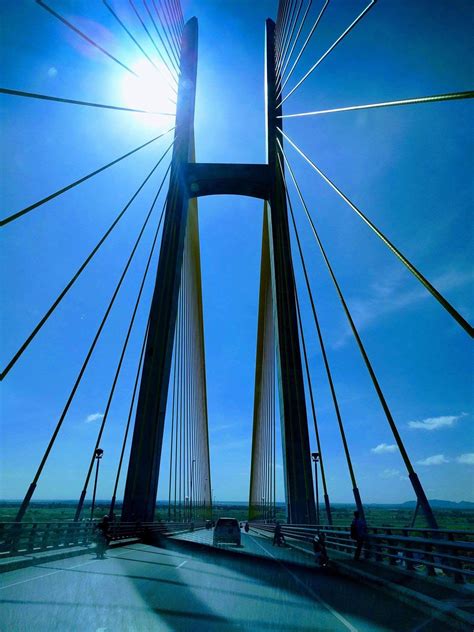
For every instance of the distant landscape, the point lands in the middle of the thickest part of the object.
(450, 515)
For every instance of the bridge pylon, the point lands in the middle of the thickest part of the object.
(190, 180)
(145, 455)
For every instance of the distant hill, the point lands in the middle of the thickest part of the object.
(409, 504)
(443, 504)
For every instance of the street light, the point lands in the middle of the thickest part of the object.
(99, 453)
(315, 457)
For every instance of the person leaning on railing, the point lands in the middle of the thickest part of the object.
(358, 533)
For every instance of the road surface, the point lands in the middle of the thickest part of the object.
(139, 588)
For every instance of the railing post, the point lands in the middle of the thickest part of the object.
(429, 558)
(409, 565)
(378, 554)
(458, 577)
(15, 535)
(44, 539)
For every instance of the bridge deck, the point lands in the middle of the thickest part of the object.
(144, 588)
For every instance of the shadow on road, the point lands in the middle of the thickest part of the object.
(373, 609)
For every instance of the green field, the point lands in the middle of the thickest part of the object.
(377, 515)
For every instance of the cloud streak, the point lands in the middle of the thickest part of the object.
(436, 459)
(435, 423)
(391, 473)
(94, 417)
(384, 448)
(389, 296)
(466, 459)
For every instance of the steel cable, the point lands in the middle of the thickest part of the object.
(411, 473)
(416, 273)
(43, 5)
(122, 356)
(47, 97)
(85, 363)
(329, 50)
(31, 207)
(303, 48)
(78, 272)
(452, 96)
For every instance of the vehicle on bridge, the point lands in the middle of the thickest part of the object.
(227, 531)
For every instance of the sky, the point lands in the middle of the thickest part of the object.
(407, 168)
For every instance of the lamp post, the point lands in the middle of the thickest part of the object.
(315, 457)
(99, 453)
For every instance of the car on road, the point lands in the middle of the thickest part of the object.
(226, 531)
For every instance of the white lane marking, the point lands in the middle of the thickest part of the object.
(182, 564)
(334, 612)
(60, 570)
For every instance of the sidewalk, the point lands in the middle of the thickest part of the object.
(41, 557)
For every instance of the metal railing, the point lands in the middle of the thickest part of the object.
(433, 551)
(23, 538)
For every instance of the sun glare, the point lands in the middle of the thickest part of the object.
(152, 90)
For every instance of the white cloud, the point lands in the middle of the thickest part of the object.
(382, 448)
(436, 459)
(222, 427)
(389, 473)
(466, 459)
(94, 417)
(389, 296)
(433, 423)
(232, 445)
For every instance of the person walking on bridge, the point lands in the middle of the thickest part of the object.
(358, 533)
(278, 538)
(103, 537)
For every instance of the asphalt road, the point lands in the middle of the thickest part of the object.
(143, 588)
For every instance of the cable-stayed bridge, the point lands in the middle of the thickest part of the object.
(165, 436)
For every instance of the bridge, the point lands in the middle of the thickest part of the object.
(162, 570)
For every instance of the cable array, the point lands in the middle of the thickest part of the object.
(263, 461)
(296, 25)
(162, 24)
(189, 484)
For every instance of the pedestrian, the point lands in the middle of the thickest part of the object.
(319, 548)
(278, 538)
(247, 527)
(103, 537)
(358, 533)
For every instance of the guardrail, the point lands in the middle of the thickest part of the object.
(433, 551)
(22, 538)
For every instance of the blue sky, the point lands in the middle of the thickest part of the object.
(407, 168)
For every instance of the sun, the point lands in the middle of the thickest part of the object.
(153, 90)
